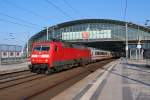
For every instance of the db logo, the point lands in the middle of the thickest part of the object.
(85, 35)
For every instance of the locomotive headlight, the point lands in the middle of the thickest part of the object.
(45, 56)
(46, 60)
(33, 56)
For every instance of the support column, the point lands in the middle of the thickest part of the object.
(0, 58)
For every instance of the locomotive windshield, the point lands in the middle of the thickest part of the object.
(37, 48)
(41, 48)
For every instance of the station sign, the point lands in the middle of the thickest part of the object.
(139, 46)
(97, 34)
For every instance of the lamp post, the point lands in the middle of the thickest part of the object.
(53, 34)
(0, 55)
(47, 35)
(27, 45)
(52, 30)
(126, 26)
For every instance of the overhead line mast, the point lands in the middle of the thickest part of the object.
(126, 29)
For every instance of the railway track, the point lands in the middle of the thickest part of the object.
(6, 83)
(13, 74)
(45, 87)
(17, 77)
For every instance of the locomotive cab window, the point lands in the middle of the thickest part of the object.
(42, 48)
(45, 48)
(37, 48)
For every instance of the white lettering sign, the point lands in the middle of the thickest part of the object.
(86, 34)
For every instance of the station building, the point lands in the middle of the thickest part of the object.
(100, 33)
(10, 52)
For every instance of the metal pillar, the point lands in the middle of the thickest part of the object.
(27, 45)
(27, 48)
(126, 41)
(53, 30)
(139, 53)
(130, 54)
(136, 54)
(0, 58)
(47, 35)
(139, 49)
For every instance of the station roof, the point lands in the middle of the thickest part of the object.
(83, 21)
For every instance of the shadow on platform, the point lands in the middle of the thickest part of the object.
(137, 70)
(129, 78)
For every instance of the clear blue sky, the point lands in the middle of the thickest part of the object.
(41, 13)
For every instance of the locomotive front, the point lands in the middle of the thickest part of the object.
(40, 57)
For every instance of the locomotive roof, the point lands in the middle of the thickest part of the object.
(67, 44)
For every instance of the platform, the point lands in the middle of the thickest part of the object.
(122, 81)
(13, 67)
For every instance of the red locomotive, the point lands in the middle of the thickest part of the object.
(56, 55)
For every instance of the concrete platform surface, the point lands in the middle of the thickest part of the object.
(122, 81)
(14, 67)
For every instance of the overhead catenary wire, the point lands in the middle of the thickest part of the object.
(70, 6)
(21, 20)
(19, 24)
(59, 9)
(76, 12)
(24, 9)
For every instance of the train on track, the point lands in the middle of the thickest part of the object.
(97, 55)
(53, 56)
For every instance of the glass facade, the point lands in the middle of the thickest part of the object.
(98, 31)
(107, 30)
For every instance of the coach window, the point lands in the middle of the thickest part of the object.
(37, 48)
(45, 48)
(56, 48)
